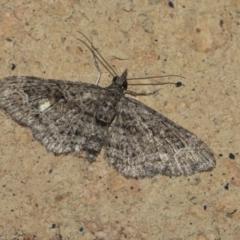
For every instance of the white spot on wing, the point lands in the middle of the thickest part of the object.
(44, 106)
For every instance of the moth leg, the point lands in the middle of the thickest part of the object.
(98, 58)
(96, 65)
(132, 93)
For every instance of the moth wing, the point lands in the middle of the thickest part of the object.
(59, 113)
(143, 143)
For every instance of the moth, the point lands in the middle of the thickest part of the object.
(75, 117)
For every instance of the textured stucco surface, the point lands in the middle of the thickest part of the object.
(64, 197)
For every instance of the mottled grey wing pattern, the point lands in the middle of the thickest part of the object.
(60, 113)
(143, 143)
(74, 117)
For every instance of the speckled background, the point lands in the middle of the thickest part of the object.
(48, 197)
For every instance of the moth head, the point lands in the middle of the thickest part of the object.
(122, 80)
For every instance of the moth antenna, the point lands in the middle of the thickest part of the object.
(98, 55)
